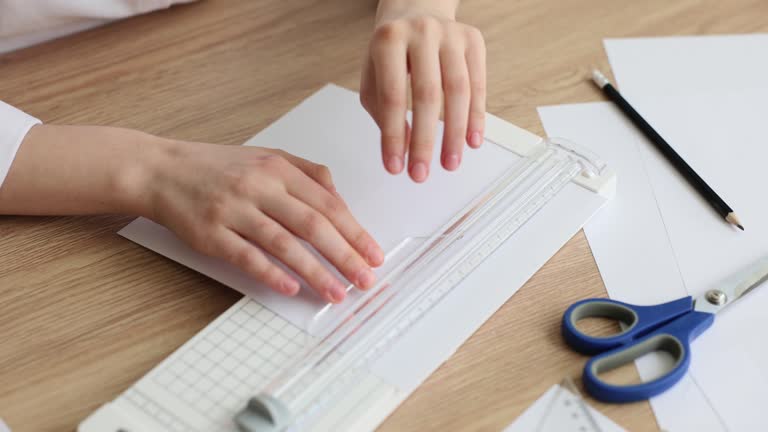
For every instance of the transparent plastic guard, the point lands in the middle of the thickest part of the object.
(568, 412)
(418, 273)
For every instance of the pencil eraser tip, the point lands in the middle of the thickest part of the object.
(599, 78)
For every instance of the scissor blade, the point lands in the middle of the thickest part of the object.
(753, 278)
(736, 286)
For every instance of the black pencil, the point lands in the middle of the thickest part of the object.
(681, 165)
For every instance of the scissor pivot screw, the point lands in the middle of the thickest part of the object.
(716, 297)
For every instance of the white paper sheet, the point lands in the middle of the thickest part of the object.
(723, 141)
(532, 418)
(391, 208)
(688, 64)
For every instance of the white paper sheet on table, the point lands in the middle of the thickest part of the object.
(658, 240)
(683, 65)
(391, 208)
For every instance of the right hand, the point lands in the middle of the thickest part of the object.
(420, 43)
(237, 203)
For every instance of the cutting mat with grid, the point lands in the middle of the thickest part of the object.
(215, 373)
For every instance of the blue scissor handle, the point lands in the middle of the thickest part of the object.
(673, 338)
(639, 320)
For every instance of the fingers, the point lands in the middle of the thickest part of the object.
(456, 88)
(276, 240)
(336, 212)
(312, 226)
(389, 65)
(243, 254)
(368, 89)
(475, 54)
(446, 61)
(427, 97)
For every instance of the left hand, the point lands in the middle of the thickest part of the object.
(446, 63)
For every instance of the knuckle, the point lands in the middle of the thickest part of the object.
(281, 243)
(388, 33)
(457, 85)
(426, 25)
(323, 173)
(243, 257)
(201, 241)
(393, 100)
(421, 149)
(267, 273)
(477, 113)
(427, 92)
(277, 153)
(317, 276)
(475, 36)
(361, 239)
(241, 185)
(365, 100)
(312, 225)
(350, 260)
(215, 210)
(478, 87)
(333, 206)
(262, 226)
(238, 181)
(274, 162)
(392, 140)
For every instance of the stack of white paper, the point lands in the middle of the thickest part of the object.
(658, 240)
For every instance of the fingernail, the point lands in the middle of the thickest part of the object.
(394, 164)
(365, 278)
(375, 256)
(419, 171)
(336, 292)
(452, 162)
(475, 140)
(289, 287)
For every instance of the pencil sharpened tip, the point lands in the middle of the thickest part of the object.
(599, 78)
(732, 219)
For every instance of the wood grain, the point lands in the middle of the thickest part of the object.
(85, 313)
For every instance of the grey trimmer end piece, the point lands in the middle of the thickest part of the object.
(263, 414)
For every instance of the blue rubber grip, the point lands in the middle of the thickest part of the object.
(640, 320)
(674, 338)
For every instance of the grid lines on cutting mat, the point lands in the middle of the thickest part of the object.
(216, 374)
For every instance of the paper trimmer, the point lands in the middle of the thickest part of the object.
(299, 364)
(346, 338)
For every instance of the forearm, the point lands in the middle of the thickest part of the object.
(400, 7)
(62, 170)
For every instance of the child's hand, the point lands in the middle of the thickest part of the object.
(446, 62)
(231, 202)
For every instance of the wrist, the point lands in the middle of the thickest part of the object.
(391, 9)
(137, 180)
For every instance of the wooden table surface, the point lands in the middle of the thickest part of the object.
(84, 313)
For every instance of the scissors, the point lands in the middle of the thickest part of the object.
(667, 327)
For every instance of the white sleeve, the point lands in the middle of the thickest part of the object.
(27, 22)
(14, 125)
